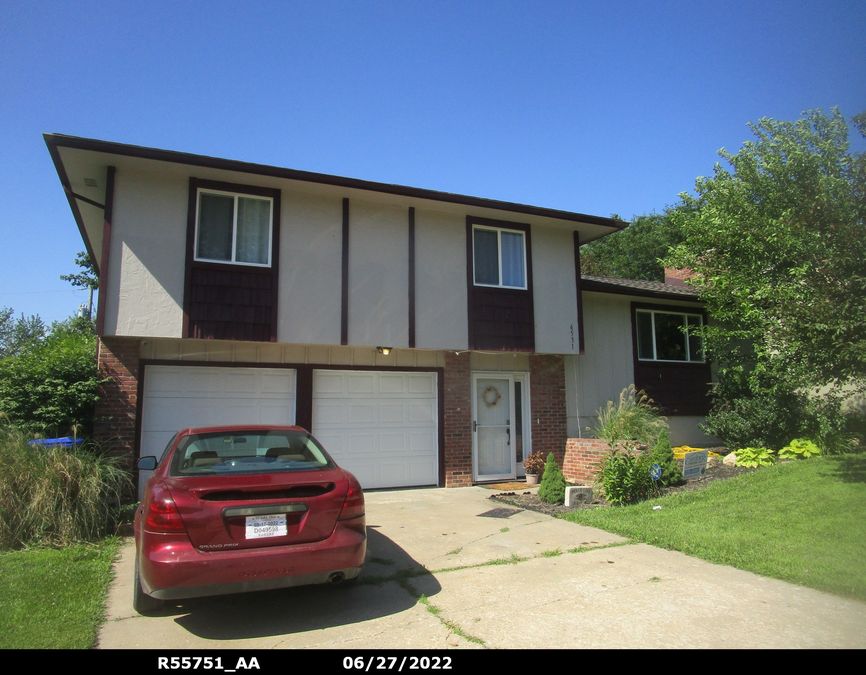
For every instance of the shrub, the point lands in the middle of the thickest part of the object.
(753, 457)
(634, 417)
(624, 475)
(56, 496)
(552, 487)
(799, 448)
(663, 455)
(51, 386)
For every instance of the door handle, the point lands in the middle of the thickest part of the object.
(508, 431)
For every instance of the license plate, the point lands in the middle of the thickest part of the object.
(260, 527)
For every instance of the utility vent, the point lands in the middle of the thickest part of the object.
(90, 182)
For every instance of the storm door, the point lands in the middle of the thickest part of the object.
(499, 441)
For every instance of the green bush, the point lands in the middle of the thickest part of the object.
(633, 417)
(552, 486)
(663, 455)
(754, 457)
(624, 475)
(51, 386)
(56, 496)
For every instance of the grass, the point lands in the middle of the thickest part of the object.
(54, 598)
(799, 521)
(56, 496)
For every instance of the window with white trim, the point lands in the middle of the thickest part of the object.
(669, 336)
(233, 228)
(499, 257)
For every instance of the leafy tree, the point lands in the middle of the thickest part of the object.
(635, 252)
(16, 334)
(779, 249)
(87, 278)
(51, 386)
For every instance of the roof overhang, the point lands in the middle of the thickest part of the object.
(82, 166)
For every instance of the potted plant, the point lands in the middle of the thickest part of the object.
(534, 467)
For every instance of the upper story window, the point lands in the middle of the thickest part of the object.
(234, 228)
(669, 336)
(499, 257)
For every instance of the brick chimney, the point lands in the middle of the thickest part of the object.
(674, 277)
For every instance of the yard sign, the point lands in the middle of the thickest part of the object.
(695, 464)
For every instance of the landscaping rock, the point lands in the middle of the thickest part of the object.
(730, 459)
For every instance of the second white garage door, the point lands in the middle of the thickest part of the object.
(381, 426)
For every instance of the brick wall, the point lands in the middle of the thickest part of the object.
(547, 405)
(458, 420)
(581, 458)
(116, 408)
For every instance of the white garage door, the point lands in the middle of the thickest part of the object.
(381, 426)
(176, 397)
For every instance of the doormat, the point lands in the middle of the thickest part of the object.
(513, 485)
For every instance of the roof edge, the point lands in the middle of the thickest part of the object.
(109, 147)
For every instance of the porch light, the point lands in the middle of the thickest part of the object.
(384, 350)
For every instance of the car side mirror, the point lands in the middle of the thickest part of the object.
(147, 463)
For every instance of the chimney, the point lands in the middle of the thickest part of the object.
(675, 277)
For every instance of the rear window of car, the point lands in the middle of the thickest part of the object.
(248, 452)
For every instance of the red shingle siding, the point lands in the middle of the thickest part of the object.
(115, 411)
(582, 456)
(458, 420)
(547, 405)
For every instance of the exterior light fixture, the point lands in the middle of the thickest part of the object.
(384, 350)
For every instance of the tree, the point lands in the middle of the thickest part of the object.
(635, 252)
(17, 334)
(778, 246)
(51, 385)
(86, 279)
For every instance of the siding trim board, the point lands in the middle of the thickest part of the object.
(102, 266)
(230, 301)
(500, 319)
(579, 287)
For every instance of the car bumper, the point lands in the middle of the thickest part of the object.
(171, 568)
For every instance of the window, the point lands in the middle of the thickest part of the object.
(499, 257)
(669, 336)
(233, 228)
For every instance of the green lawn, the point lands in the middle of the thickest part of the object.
(803, 522)
(54, 598)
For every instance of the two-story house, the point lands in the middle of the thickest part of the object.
(425, 338)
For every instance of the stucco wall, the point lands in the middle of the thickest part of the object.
(311, 242)
(144, 295)
(554, 291)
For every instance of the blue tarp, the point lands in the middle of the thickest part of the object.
(66, 442)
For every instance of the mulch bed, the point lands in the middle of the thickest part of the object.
(528, 499)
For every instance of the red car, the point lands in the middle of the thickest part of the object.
(233, 509)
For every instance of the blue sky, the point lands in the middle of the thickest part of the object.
(595, 107)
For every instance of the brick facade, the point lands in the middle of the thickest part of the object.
(582, 456)
(547, 405)
(457, 418)
(118, 401)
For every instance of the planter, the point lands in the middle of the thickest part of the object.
(532, 479)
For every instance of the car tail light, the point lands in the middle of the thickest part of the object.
(353, 506)
(162, 514)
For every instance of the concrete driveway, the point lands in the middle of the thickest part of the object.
(498, 578)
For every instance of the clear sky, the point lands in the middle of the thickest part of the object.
(597, 107)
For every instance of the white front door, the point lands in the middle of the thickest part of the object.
(499, 438)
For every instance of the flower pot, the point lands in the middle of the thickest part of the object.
(532, 479)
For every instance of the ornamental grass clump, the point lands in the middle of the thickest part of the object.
(56, 496)
(552, 487)
(634, 417)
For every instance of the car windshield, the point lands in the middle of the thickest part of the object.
(257, 451)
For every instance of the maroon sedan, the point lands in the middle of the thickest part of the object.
(233, 509)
